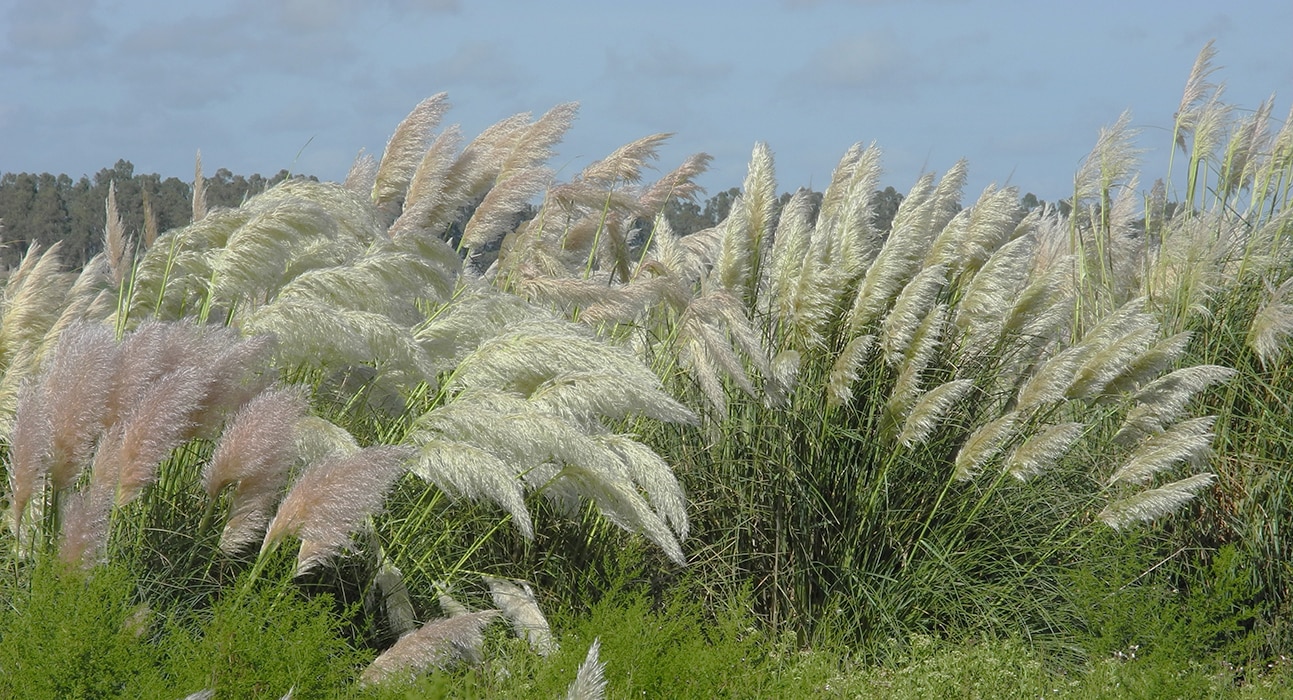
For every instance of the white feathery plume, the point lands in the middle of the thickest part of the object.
(624, 164)
(152, 429)
(902, 255)
(587, 396)
(448, 604)
(461, 469)
(199, 190)
(30, 451)
(694, 357)
(85, 515)
(845, 216)
(842, 177)
(719, 308)
(679, 185)
(404, 152)
(532, 146)
(528, 354)
(429, 179)
(1154, 503)
(1111, 162)
(519, 606)
(735, 260)
(844, 371)
(667, 254)
(237, 370)
(331, 499)
(116, 244)
(1196, 88)
(629, 302)
(317, 334)
(436, 644)
(925, 341)
(913, 304)
(1058, 374)
(477, 314)
(89, 300)
(810, 305)
(1048, 383)
(1164, 399)
(1150, 364)
(75, 387)
(498, 211)
(386, 280)
(1041, 451)
(790, 244)
(477, 167)
(991, 295)
(258, 253)
(30, 303)
(390, 595)
(362, 175)
(1188, 441)
(929, 410)
(784, 370)
(618, 500)
(590, 681)
(984, 228)
(654, 476)
(1272, 326)
(704, 245)
(759, 196)
(1043, 304)
(1105, 364)
(317, 438)
(255, 453)
(984, 444)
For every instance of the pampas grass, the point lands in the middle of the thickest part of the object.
(516, 601)
(331, 499)
(254, 455)
(436, 644)
(1154, 503)
(590, 680)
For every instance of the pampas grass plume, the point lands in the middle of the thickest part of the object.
(1041, 451)
(332, 498)
(984, 444)
(1189, 441)
(30, 450)
(76, 385)
(254, 453)
(590, 681)
(435, 645)
(520, 607)
(1154, 503)
(930, 409)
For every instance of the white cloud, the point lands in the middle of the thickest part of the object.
(477, 64)
(53, 26)
(873, 61)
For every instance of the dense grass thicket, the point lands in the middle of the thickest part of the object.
(408, 435)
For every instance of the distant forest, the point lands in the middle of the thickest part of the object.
(48, 208)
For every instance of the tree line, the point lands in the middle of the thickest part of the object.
(45, 208)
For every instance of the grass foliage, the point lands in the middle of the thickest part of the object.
(335, 433)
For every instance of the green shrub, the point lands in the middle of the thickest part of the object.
(65, 633)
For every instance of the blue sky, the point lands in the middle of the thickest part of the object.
(1021, 89)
